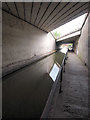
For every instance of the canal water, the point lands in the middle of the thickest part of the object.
(25, 92)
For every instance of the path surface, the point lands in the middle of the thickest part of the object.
(73, 101)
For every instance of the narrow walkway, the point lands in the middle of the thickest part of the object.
(73, 101)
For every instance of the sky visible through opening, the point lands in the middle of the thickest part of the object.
(69, 27)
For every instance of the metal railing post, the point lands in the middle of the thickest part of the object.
(60, 89)
(61, 74)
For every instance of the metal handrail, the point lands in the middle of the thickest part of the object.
(61, 73)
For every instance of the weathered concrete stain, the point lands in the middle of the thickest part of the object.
(23, 41)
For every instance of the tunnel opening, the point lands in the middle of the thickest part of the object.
(69, 46)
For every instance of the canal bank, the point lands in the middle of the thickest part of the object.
(73, 101)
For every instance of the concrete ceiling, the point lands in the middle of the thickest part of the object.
(68, 40)
(46, 15)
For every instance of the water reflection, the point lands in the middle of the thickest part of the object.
(26, 91)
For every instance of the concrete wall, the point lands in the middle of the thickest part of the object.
(22, 41)
(89, 41)
(82, 48)
(89, 64)
(81, 45)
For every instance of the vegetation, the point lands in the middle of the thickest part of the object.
(70, 45)
(56, 34)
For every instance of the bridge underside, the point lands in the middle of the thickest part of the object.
(29, 53)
